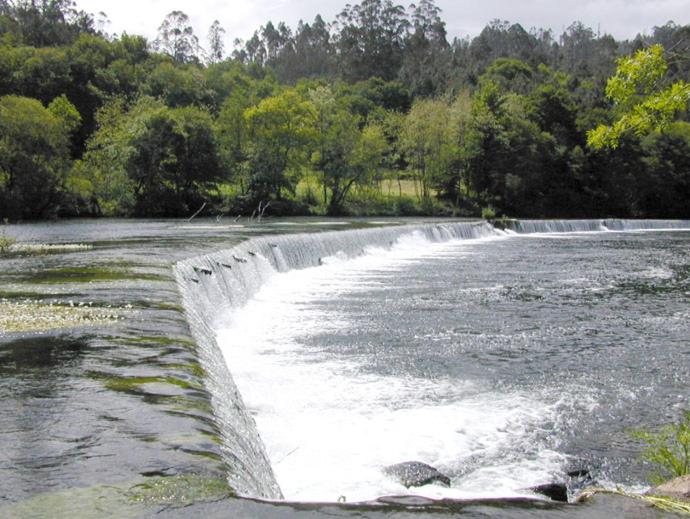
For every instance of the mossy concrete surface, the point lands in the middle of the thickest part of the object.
(125, 500)
(34, 316)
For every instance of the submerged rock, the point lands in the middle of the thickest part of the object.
(416, 474)
(558, 491)
(554, 491)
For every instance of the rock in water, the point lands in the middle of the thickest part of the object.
(416, 474)
(555, 491)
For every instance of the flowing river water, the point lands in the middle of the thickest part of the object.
(504, 359)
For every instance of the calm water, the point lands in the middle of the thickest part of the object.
(502, 362)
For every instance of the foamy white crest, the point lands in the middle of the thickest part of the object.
(330, 428)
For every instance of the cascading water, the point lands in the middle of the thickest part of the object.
(560, 226)
(308, 404)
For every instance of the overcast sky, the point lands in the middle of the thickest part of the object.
(621, 18)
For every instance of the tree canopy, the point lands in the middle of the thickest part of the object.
(374, 112)
(643, 103)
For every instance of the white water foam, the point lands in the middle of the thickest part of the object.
(330, 429)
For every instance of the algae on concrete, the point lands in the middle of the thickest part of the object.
(179, 490)
(34, 316)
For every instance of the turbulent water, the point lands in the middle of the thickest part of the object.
(503, 359)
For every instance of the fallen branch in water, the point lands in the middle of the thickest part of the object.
(195, 214)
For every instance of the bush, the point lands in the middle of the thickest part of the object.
(488, 213)
(406, 206)
(6, 243)
(668, 449)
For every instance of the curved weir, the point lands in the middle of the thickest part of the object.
(214, 285)
(556, 226)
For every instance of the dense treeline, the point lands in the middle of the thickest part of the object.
(376, 112)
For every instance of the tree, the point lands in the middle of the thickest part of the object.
(511, 75)
(371, 39)
(643, 104)
(176, 38)
(44, 23)
(281, 127)
(34, 155)
(148, 160)
(664, 189)
(313, 52)
(173, 161)
(232, 129)
(426, 59)
(335, 140)
(178, 85)
(427, 141)
(99, 182)
(41, 74)
(216, 46)
(506, 155)
(368, 156)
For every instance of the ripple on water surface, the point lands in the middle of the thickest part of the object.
(501, 362)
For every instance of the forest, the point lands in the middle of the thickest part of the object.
(373, 113)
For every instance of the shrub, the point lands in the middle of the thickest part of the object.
(668, 449)
(488, 213)
(6, 243)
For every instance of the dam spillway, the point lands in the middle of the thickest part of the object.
(548, 347)
(220, 284)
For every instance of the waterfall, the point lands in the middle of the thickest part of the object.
(213, 285)
(534, 226)
(646, 225)
(559, 226)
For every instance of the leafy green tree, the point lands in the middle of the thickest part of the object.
(34, 155)
(554, 109)
(643, 104)
(614, 177)
(41, 74)
(66, 113)
(426, 60)
(427, 141)
(313, 54)
(216, 46)
(125, 73)
(507, 157)
(176, 38)
(232, 129)
(454, 183)
(664, 189)
(369, 155)
(148, 160)
(179, 86)
(500, 39)
(344, 154)
(44, 23)
(99, 182)
(231, 78)
(173, 161)
(585, 55)
(375, 94)
(511, 75)
(281, 128)
(371, 39)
